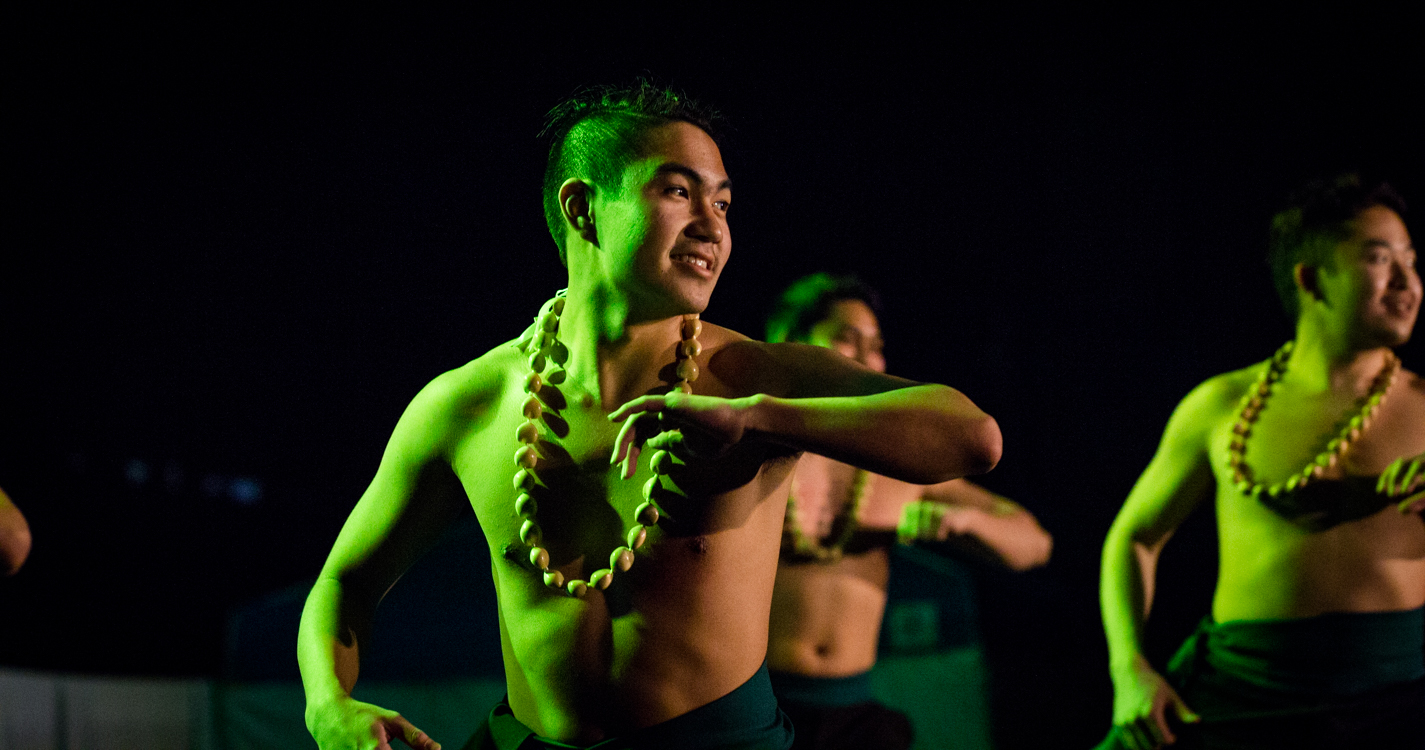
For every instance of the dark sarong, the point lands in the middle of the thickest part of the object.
(838, 713)
(1339, 680)
(745, 719)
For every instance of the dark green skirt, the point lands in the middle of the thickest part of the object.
(745, 719)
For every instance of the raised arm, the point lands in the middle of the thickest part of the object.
(413, 498)
(1176, 481)
(812, 399)
(978, 522)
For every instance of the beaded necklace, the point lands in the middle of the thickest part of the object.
(541, 343)
(808, 547)
(1351, 429)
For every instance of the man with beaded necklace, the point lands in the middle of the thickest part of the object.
(841, 521)
(1315, 459)
(633, 596)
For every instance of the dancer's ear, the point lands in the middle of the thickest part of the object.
(576, 204)
(1307, 280)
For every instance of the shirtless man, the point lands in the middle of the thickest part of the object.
(671, 655)
(829, 598)
(1315, 638)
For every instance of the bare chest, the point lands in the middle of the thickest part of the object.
(826, 494)
(1291, 432)
(539, 477)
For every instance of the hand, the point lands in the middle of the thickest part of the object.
(1141, 701)
(928, 521)
(346, 724)
(1402, 478)
(686, 425)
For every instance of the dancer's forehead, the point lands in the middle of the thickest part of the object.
(683, 150)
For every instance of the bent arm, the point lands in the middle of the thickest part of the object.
(14, 536)
(990, 527)
(1176, 481)
(413, 498)
(915, 433)
(819, 401)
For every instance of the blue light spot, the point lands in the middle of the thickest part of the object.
(245, 490)
(136, 472)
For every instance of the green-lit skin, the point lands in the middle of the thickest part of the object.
(1366, 300)
(688, 623)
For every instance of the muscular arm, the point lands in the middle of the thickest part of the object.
(981, 524)
(412, 499)
(812, 399)
(1176, 481)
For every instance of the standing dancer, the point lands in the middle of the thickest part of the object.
(633, 595)
(830, 593)
(1314, 458)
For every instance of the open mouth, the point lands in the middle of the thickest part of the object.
(696, 261)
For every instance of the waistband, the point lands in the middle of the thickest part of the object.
(745, 719)
(1336, 654)
(822, 691)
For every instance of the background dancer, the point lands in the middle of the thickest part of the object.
(830, 594)
(1314, 458)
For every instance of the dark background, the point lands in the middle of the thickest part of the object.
(236, 247)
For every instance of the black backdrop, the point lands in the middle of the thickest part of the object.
(236, 247)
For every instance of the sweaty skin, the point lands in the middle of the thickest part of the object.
(826, 617)
(1355, 307)
(688, 623)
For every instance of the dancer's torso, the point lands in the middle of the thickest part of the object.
(685, 625)
(1272, 567)
(826, 616)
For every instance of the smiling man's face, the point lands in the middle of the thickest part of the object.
(664, 238)
(1372, 288)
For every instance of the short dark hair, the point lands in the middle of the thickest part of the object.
(809, 300)
(1314, 220)
(598, 130)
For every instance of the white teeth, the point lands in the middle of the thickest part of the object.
(699, 262)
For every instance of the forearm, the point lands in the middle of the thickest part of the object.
(1126, 596)
(327, 643)
(1013, 538)
(922, 434)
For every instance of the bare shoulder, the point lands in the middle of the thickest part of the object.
(1414, 385)
(458, 397)
(1220, 395)
(1209, 405)
(1412, 397)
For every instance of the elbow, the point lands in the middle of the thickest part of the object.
(984, 445)
(14, 548)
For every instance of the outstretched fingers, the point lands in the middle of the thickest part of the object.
(626, 448)
(637, 406)
(398, 726)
